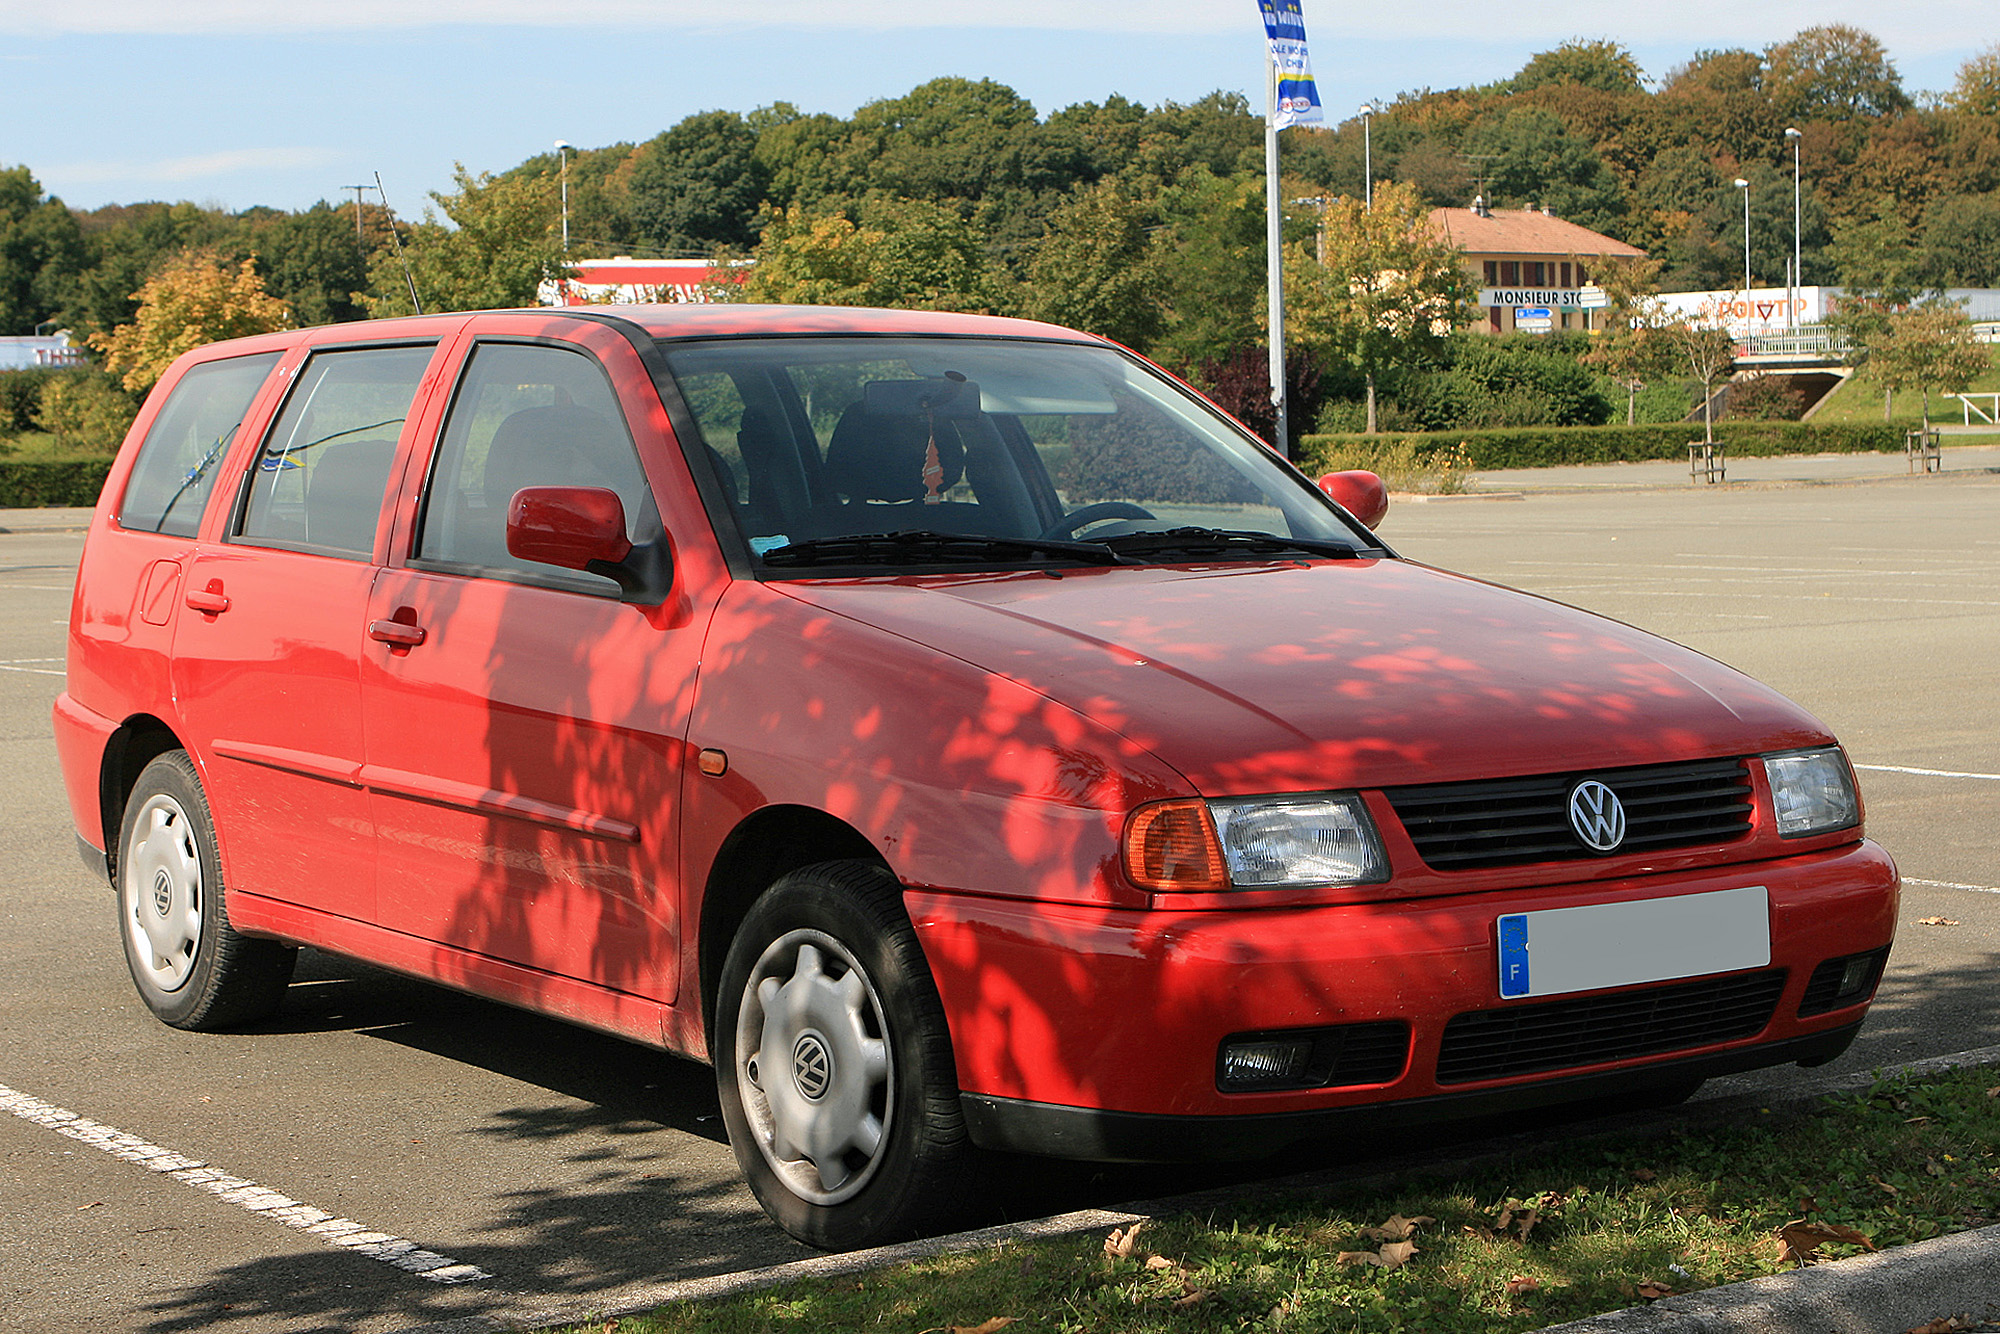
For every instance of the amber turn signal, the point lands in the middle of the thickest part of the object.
(1171, 847)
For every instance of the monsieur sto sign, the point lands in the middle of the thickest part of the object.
(1561, 298)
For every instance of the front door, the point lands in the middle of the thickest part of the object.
(523, 726)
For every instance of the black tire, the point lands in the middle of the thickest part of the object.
(191, 968)
(826, 967)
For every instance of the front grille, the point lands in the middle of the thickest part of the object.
(1557, 1035)
(1512, 821)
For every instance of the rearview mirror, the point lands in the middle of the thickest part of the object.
(1359, 493)
(583, 528)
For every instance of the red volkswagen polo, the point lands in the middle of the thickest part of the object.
(959, 733)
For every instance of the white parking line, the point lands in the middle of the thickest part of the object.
(1926, 773)
(1947, 884)
(341, 1232)
(22, 665)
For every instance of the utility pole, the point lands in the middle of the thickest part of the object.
(359, 239)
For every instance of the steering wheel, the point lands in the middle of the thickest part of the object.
(1089, 514)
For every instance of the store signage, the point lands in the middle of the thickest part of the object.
(1570, 298)
(1534, 319)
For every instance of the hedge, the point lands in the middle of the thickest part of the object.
(33, 483)
(1549, 446)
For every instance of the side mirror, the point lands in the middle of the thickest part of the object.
(1359, 493)
(583, 528)
(570, 526)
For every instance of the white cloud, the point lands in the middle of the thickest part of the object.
(199, 167)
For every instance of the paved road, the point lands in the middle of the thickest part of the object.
(559, 1162)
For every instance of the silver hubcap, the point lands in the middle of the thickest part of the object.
(813, 1069)
(163, 900)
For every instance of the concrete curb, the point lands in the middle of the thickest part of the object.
(1950, 1275)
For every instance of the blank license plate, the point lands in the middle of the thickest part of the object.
(1561, 950)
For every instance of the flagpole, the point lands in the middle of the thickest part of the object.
(1274, 262)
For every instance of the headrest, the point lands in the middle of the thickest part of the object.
(555, 446)
(882, 457)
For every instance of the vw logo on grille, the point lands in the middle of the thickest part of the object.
(1597, 815)
(812, 1066)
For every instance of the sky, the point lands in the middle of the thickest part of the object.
(235, 103)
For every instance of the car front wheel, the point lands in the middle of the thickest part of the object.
(833, 1063)
(192, 969)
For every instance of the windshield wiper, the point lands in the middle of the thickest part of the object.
(924, 546)
(1198, 542)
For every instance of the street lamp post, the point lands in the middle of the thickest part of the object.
(1744, 186)
(1368, 111)
(562, 155)
(1798, 272)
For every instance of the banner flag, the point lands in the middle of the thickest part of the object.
(1297, 100)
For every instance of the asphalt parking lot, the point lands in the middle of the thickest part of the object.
(558, 1163)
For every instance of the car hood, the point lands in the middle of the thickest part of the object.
(1364, 673)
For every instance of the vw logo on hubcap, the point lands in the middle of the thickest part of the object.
(163, 892)
(1597, 815)
(812, 1066)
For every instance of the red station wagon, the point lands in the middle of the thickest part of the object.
(958, 732)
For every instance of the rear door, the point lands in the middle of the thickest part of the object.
(524, 727)
(270, 623)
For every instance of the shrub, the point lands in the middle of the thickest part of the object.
(21, 397)
(1767, 398)
(1549, 446)
(1402, 462)
(29, 484)
(85, 410)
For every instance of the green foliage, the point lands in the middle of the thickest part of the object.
(1763, 397)
(904, 253)
(85, 410)
(1098, 270)
(195, 298)
(1537, 159)
(41, 253)
(505, 242)
(1553, 446)
(33, 483)
(1927, 348)
(1977, 90)
(1603, 65)
(1835, 72)
(698, 185)
(21, 397)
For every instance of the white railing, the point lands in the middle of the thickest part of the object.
(1812, 341)
(1990, 414)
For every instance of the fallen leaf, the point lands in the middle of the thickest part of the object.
(1121, 1241)
(1800, 1240)
(1937, 921)
(1644, 1174)
(993, 1326)
(1652, 1291)
(1993, 1092)
(1885, 1187)
(1808, 1205)
(1521, 1286)
(1526, 1222)
(1394, 1255)
(1194, 1297)
(1945, 1324)
(1157, 1262)
(1398, 1228)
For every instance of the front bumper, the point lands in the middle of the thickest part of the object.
(1094, 1031)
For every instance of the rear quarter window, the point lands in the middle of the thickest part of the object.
(183, 451)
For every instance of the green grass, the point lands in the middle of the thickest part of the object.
(1575, 1229)
(1859, 400)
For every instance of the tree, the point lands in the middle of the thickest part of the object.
(1537, 161)
(1876, 256)
(1387, 292)
(1602, 65)
(1929, 347)
(1834, 72)
(1631, 346)
(1098, 270)
(84, 409)
(1977, 91)
(41, 253)
(195, 299)
(506, 243)
(697, 185)
(1961, 242)
(1709, 355)
(904, 253)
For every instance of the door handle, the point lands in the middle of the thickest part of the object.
(211, 599)
(401, 633)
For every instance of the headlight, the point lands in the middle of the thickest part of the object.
(1254, 843)
(1813, 791)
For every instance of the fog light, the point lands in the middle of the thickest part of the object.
(1249, 1064)
(1854, 977)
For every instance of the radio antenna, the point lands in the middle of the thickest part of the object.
(397, 241)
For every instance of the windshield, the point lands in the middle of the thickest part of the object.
(923, 453)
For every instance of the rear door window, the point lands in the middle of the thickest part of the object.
(319, 479)
(183, 451)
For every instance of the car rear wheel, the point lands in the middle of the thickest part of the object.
(192, 969)
(833, 1063)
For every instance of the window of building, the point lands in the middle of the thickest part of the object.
(1492, 273)
(1510, 273)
